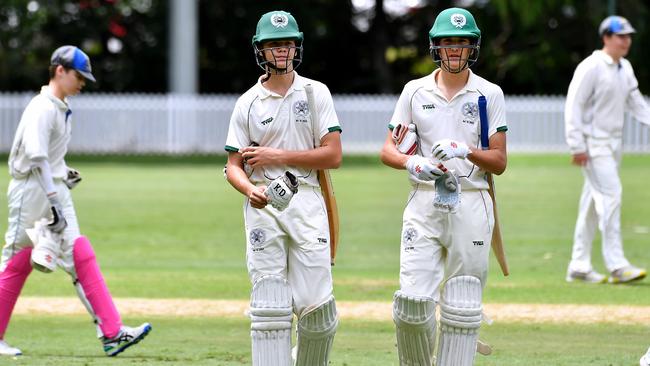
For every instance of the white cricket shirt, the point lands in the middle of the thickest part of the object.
(599, 94)
(43, 133)
(283, 122)
(423, 104)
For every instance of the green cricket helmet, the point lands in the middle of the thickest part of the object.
(277, 26)
(454, 22)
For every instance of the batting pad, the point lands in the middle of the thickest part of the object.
(415, 322)
(316, 328)
(460, 318)
(271, 316)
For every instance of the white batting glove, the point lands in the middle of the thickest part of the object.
(424, 169)
(72, 178)
(281, 190)
(58, 223)
(447, 149)
(405, 138)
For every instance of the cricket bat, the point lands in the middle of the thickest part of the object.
(325, 181)
(497, 240)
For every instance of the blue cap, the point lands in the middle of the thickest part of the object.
(73, 58)
(615, 24)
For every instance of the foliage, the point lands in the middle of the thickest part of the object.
(528, 47)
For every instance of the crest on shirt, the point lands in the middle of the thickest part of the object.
(301, 110)
(257, 237)
(470, 112)
(279, 20)
(458, 20)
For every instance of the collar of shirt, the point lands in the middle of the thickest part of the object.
(264, 93)
(61, 104)
(605, 57)
(470, 86)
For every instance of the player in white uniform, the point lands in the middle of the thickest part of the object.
(288, 253)
(445, 243)
(39, 191)
(602, 89)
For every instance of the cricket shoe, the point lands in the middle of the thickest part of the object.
(7, 350)
(588, 277)
(126, 338)
(627, 274)
(645, 360)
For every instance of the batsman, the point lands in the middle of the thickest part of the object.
(448, 220)
(43, 232)
(277, 141)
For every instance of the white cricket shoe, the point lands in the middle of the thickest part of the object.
(627, 274)
(7, 350)
(645, 360)
(588, 277)
(126, 338)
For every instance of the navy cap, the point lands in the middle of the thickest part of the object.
(615, 24)
(73, 58)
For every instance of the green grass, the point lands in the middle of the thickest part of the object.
(69, 340)
(175, 230)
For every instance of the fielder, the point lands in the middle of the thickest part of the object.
(43, 232)
(602, 89)
(272, 160)
(448, 220)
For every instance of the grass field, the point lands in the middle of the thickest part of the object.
(174, 230)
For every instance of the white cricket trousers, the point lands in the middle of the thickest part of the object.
(293, 243)
(27, 204)
(600, 207)
(437, 245)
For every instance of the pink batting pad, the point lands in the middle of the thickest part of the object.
(94, 286)
(12, 280)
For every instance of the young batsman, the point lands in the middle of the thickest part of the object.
(448, 219)
(43, 231)
(274, 151)
(602, 89)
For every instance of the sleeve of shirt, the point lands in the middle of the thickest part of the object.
(581, 89)
(36, 133)
(402, 113)
(635, 102)
(329, 121)
(238, 134)
(497, 113)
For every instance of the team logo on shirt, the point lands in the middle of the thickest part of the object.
(257, 237)
(458, 20)
(301, 110)
(279, 20)
(470, 112)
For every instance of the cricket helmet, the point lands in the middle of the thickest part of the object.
(277, 26)
(454, 22)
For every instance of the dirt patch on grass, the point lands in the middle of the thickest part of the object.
(368, 310)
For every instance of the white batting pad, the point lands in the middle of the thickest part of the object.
(460, 318)
(271, 316)
(316, 328)
(415, 323)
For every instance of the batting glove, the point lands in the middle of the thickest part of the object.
(281, 190)
(58, 223)
(73, 178)
(405, 138)
(447, 149)
(424, 169)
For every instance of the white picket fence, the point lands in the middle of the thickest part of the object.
(173, 124)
